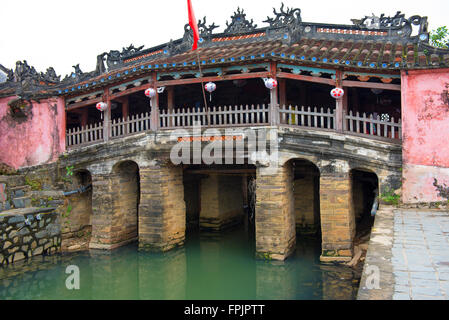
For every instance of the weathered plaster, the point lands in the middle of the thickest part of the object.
(425, 118)
(39, 140)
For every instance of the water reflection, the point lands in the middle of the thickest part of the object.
(217, 266)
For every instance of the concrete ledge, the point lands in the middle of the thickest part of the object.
(335, 259)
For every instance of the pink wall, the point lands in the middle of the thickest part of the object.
(38, 140)
(425, 118)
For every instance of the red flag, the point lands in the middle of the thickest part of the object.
(193, 24)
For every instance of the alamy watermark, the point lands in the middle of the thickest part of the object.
(73, 280)
(233, 146)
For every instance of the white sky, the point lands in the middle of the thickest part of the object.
(63, 33)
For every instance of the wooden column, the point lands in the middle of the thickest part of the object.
(84, 117)
(274, 98)
(170, 101)
(125, 107)
(125, 111)
(282, 92)
(154, 124)
(341, 105)
(107, 116)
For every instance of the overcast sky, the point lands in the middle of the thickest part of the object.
(63, 33)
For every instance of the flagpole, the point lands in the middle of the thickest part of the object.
(202, 86)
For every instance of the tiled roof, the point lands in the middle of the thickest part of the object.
(384, 45)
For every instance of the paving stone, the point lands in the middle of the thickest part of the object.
(422, 297)
(431, 290)
(401, 296)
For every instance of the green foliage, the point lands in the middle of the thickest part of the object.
(440, 37)
(389, 197)
(34, 184)
(68, 174)
(68, 211)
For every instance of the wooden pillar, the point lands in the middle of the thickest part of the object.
(125, 112)
(107, 116)
(341, 105)
(170, 101)
(154, 124)
(274, 98)
(84, 116)
(125, 107)
(282, 92)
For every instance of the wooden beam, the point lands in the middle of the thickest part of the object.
(83, 104)
(371, 85)
(300, 77)
(263, 74)
(130, 91)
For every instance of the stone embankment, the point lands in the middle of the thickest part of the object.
(28, 232)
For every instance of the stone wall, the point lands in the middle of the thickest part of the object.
(221, 202)
(28, 232)
(306, 205)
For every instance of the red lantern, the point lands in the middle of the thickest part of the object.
(271, 83)
(210, 87)
(337, 93)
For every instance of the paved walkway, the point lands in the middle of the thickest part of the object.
(409, 250)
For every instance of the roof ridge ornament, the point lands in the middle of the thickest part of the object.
(239, 23)
(285, 18)
(397, 24)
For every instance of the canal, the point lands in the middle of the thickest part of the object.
(209, 267)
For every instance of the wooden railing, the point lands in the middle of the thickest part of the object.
(215, 116)
(373, 126)
(135, 124)
(307, 117)
(228, 116)
(89, 134)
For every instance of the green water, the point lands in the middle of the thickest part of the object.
(207, 267)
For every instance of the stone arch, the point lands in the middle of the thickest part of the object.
(77, 218)
(125, 185)
(306, 195)
(365, 193)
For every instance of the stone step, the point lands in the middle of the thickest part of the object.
(5, 206)
(17, 180)
(19, 191)
(21, 202)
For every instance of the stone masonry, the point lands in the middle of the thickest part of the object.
(221, 202)
(162, 217)
(337, 217)
(275, 219)
(28, 232)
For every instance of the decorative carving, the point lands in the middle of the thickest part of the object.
(114, 59)
(396, 22)
(51, 76)
(131, 50)
(239, 23)
(285, 18)
(100, 68)
(24, 72)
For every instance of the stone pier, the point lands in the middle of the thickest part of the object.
(162, 210)
(275, 218)
(337, 217)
